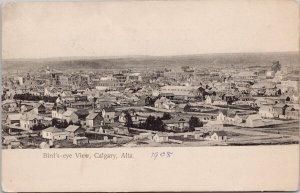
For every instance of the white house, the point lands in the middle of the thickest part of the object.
(108, 114)
(53, 133)
(135, 118)
(57, 113)
(74, 130)
(221, 116)
(160, 137)
(208, 100)
(217, 136)
(28, 120)
(94, 120)
(254, 121)
(213, 126)
(267, 111)
(164, 103)
(70, 116)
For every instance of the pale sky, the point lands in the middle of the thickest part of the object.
(66, 29)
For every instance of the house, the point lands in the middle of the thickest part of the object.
(219, 102)
(57, 113)
(108, 114)
(94, 120)
(164, 103)
(8, 139)
(70, 116)
(254, 121)
(28, 120)
(178, 90)
(121, 130)
(167, 95)
(237, 119)
(53, 133)
(289, 84)
(227, 116)
(208, 100)
(38, 108)
(134, 117)
(267, 111)
(213, 126)
(80, 140)
(74, 130)
(150, 100)
(221, 116)
(280, 108)
(291, 113)
(13, 118)
(295, 99)
(176, 124)
(217, 136)
(160, 137)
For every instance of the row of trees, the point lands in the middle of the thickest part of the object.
(62, 124)
(157, 124)
(152, 123)
(129, 122)
(31, 97)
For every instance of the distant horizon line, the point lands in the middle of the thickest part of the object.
(141, 55)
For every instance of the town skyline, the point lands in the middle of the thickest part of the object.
(240, 100)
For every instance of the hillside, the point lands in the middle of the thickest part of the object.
(143, 62)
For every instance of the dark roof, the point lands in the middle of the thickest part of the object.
(166, 94)
(175, 120)
(109, 109)
(220, 133)
(92, 116)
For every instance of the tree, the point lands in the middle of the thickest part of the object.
(194, 122)
(158, 124)
(279, 92)
(187, 108)
(149, 122)
(276, 66)
(54, 122)
(166, 116)
(64, 124)
(128, 119)
(155, 124)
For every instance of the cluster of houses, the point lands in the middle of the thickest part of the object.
(65, 106)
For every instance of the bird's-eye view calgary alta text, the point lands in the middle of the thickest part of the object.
(145, 98)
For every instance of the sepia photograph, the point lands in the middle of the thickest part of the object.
(131, 85)
(116, 75)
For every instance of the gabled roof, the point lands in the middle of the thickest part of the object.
(14, 116)
(53, 130)
(68, 113)
(162, 134)
(29, 116)
(254, 117)
(72, 128)
(265, 107)
(37, 105)
(92, 116)
(175, 120)
(220, 133)
(109, 109)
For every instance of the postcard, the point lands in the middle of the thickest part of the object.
(143, 96)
